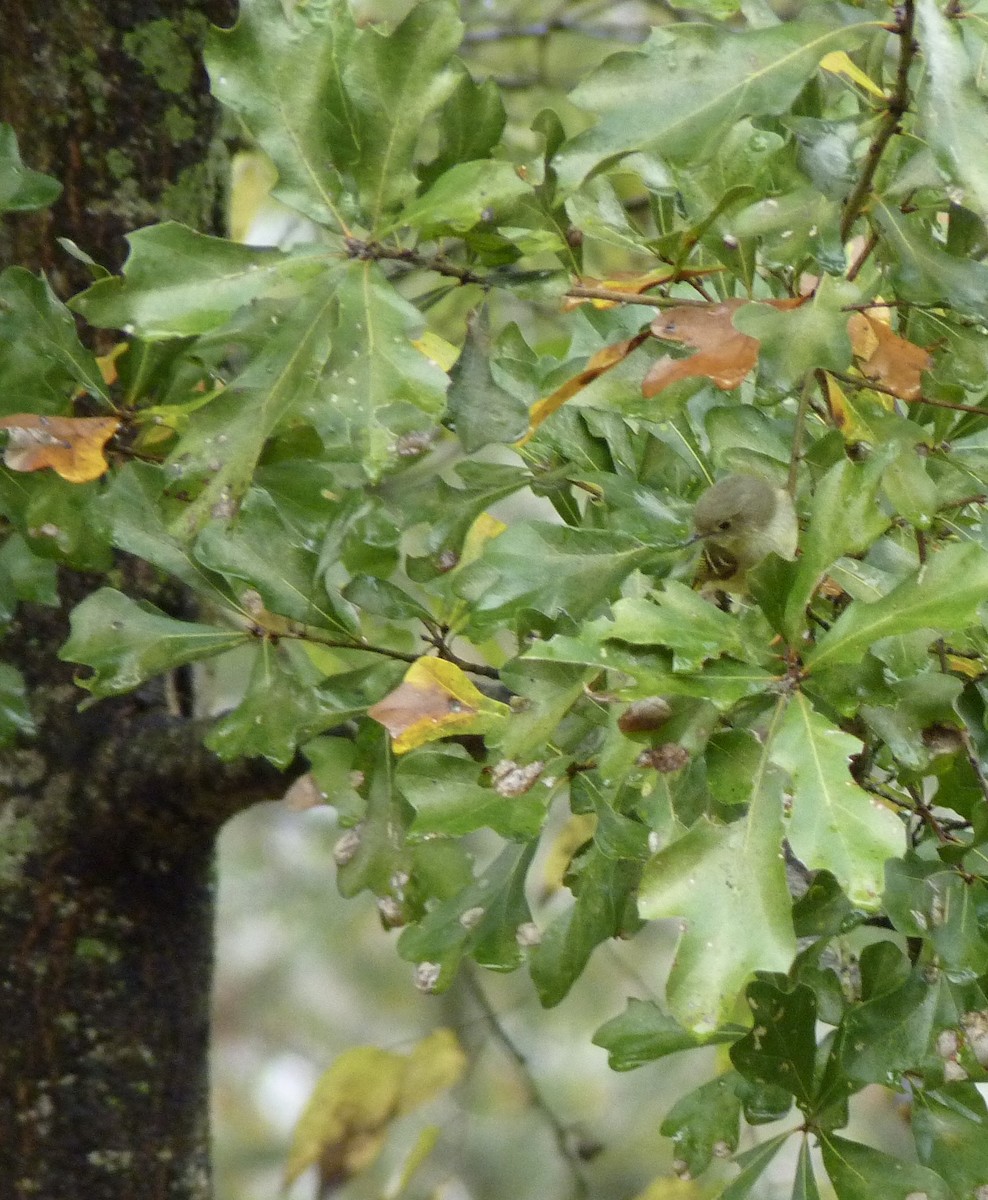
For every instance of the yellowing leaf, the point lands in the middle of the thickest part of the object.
(603, 360)
(345, 1123)
(434, 1065)
(847, 415)
(889, 360)
(435, 700)
(839, 62)
(71, 446)
(437, 350)
(483, 530)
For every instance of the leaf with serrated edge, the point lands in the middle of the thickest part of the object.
(944, 594)
(177, 282)
(728, 884)
(126, 642)
(951, 110)
(834, 824)
(688, 85)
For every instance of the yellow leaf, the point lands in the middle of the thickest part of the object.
(848, 416)
(344, 1124)
(424, 1146)
(437, 350)
(483, 530)
(436, 1064)
(838, 62)
(71, 446)
(435, 700)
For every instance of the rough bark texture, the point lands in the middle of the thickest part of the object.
(108, 818)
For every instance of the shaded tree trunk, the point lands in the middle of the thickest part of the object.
(108, 817)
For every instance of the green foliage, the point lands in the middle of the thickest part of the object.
(312, 441)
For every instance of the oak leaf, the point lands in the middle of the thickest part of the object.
(886, 358)
(71, 446)
(724, 355)
(435, 700)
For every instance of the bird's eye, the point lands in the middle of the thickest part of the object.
(723, 526)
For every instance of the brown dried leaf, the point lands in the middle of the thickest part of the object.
(71, 446)
(724, 355)
(887, 359)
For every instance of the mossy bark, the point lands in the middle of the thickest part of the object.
(108, 817)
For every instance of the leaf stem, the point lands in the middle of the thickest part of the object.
(560, 1133)
(896, 106)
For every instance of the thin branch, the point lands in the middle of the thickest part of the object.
(581, 292)
(896, 107)
(311, 633)
(560, 1133)
(871, 386)
(866, 252)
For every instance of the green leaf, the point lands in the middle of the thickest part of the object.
(890, 1033)
(921, 270)
(443, 788)
(780, 1050)
(834, 824)
(280, 69)
(604, 890)
(727, 883)
(924, 900)
(126, 642)
(377, 384)
(677, 617)
(22, 189)
(952, 112)
(494, 908)
(794, 342)
(134, 509)
(860, 1173)
(550, 568)
(225, 439)
(27, 576)
(260, 549)
(704, 1123)
(804, 1184)
(470, 125)
(687, 87)
(753, 1164)
(643, 1033)
(280, 709)
(949, 1127)
(944, 594)
(466, 194)
(178, 282)
(15, 714)
(482, 410)
(41, 356)
(845, 518)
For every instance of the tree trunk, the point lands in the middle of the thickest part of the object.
(108, 817)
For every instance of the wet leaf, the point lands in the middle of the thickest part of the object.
(886, 358)
(435, 700)
(71, 446)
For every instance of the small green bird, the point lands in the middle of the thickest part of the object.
(741, 519)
